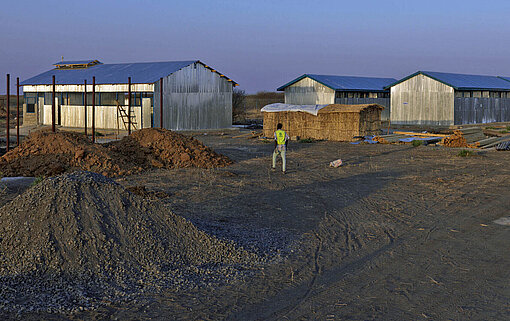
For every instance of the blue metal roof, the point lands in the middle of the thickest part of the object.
(346, 83)
(76, 62)
(140, 73)
(463, 81)
(505, 78)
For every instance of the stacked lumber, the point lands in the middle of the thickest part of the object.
(408, 137)
(420, 134)
(489, 142)
(389, 139)
(494, 132)
(454, 140)
(465, 137)
(503, 145)
(252, 134)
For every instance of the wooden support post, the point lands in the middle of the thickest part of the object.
(53, 105)
(129, 106)
(94, 109)
(85, 105)
(161, 102)
(17, 111)
(8, 112)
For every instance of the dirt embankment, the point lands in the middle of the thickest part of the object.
(45, 153)
(86, 230)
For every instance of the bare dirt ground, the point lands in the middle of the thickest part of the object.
(396, 233)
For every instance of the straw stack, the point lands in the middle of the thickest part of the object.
(333, 122)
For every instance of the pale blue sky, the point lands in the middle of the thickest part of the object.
(261, 44)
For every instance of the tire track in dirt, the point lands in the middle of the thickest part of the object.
(328, 285)
(312, 282)
(289, 302)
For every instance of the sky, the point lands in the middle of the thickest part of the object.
(261, 44)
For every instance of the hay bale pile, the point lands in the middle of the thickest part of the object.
(333, 122)
(75, 240)
(44, 153)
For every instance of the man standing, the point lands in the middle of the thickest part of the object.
(280, 146)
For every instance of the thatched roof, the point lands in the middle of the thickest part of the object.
(337, 108)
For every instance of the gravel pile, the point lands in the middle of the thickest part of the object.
(76, 240)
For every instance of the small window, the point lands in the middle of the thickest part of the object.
(47, 98)
(30, 100)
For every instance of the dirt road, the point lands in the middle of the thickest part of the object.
(396, 233)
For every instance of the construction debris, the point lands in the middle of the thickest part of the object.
(455, 140)
(503, 145)
(336, 163)
(471, 137)
(252, 134)
(407, 137)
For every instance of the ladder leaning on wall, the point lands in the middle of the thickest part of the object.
(122, 114)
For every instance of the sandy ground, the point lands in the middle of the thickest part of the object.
(395, 233)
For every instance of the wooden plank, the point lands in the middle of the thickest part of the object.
(420, 134)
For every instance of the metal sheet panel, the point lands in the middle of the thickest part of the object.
(346, 83)
(463, 81)
(141, 73)
(481, 110)
(80, 88)
(309, 92)
(76, 62)
(422, 100)
(194, 98)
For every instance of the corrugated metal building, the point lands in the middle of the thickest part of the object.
(195, 96)
(444, 99)
(310, 89)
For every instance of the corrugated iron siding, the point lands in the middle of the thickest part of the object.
(481, 110)
(106, 117)
(309, 92)
(422, 100)
(385, 102)
(194, 98)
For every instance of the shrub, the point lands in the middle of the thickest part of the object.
(417, 143)
(37, 180)
(465, 153)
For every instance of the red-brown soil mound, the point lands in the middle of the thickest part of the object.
(44, 153)
(171, 150)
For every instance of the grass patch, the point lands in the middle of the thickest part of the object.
(466, 153)
(3, 187)
(306, 141)
(417, 143)
(490, 127)
(37, 180)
